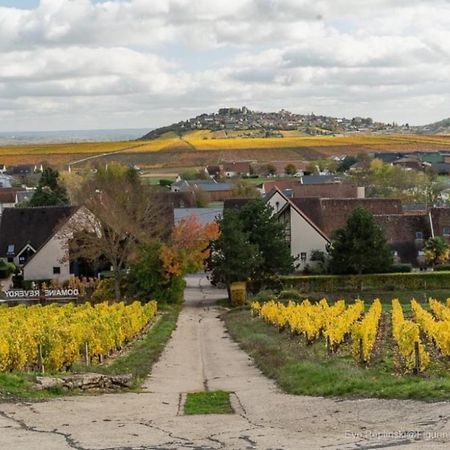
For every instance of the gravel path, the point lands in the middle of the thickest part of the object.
(200, 356)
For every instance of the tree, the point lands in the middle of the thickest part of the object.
(360, 246)
(190, 243)
(437, 251)
(122, 216)
(49, 191)
(270, 169)
(267, 234)
(290, 169)
(233, 257)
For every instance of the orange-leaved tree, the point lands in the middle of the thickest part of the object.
(189, 246)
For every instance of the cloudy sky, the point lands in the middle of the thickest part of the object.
(82, 64)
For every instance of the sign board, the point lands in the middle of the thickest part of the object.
(39, 293)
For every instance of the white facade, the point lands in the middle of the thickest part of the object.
(48, 261)
(51, 262)
(303, 235)
(277, 201)
(304, 239)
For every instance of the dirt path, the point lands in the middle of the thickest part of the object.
(201, 356)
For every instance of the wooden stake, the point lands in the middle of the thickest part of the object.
(86, 353)
(40, 359)
(417, 358)
(361, 350)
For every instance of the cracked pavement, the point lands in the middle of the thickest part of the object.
(200, 355)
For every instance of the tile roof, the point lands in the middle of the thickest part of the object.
(34, 226)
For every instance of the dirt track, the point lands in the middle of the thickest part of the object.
(201, 356)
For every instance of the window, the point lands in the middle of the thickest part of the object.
(419, 235)
(56, 270)
(446, 231)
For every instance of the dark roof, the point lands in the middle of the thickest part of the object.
(34, 226)
(330, 214)
(182, 199)
(236, 203)
(441, 168)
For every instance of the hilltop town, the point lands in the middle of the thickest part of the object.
(265, 124)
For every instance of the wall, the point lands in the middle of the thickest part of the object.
(40, 267)
(304, 238)
(277, 201)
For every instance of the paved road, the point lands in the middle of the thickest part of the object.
(200, 356)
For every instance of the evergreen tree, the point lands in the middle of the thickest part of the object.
(267, 234)
(49, 191)
(233, 257)
(360, 246)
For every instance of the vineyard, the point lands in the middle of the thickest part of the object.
(415, 342)
(56, 337)
(204, 144)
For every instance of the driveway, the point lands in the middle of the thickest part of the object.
(200, 355)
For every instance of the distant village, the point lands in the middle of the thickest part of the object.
(269, 123)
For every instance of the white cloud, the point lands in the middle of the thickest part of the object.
(129, 60)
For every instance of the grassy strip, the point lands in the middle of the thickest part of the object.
(137, 361)
(304, 369)
(209, 402)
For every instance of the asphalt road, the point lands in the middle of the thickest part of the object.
(201, 356)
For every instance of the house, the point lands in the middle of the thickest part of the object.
(5, 181)
(37, 240)
(3, 169)
(24, 196)
(303, 235)
(409, 163)
(329, 214)
(293, 188)
(208, 190)
(237, 168)
(7, 198)
(177, 199)
(214, 171)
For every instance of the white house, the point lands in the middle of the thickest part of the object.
(37, 240)
(303, 235)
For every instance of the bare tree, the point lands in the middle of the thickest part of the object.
(121, 215)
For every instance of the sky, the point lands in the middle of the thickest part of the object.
(85, 64)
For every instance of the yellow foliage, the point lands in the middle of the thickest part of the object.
(63, 331)
(365, 332)
(406, 333)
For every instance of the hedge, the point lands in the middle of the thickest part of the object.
(373, 282)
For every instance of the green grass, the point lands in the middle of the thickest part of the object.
(304, 369)
(138, 361)
(208, 402)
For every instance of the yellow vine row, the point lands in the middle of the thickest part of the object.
(62, 332)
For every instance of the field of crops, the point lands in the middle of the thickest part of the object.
(195, 143)
(56, 337)
(414, 341)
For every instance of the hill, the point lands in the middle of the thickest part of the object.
(441, 127)
(272, 124)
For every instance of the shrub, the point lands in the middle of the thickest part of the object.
(442, 268)
(401, 268)
(290, 294)
(355, 283)
(6, 269)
